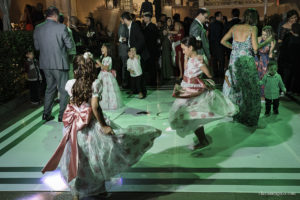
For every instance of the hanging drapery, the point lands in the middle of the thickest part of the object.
(4, 6)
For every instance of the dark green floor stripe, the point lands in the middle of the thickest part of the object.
(20, 169)
(176, 170)
(23, 125)
(256, 182)
(15, 130)
(23, 136)
(181, 181)
(213, 170)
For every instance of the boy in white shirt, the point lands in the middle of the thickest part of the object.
(134, 67)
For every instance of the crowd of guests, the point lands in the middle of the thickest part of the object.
(150, 53)
(159, 49)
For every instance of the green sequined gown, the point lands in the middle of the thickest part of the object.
(245, 87)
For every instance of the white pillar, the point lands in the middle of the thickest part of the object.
(265, 8)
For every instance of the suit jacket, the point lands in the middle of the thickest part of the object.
(152, 35)
(216, 30)
(136, 39)
(199, 32)
(123, 46)
(52, 40)
(230, 24)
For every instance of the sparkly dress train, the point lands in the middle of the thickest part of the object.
(245, 87)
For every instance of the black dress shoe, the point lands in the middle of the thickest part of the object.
(47, 117)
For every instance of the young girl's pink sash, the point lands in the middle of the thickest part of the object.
(74, 119)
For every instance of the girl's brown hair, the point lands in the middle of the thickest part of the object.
(85, 74)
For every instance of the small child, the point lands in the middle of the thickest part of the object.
(227, 84)
(134, 67)
(34, 77)
(273, 84)
(111, 94)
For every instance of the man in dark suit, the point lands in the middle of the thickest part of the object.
(146, 7)
(151, 33)
(157, 4)
(136, 39)
(52, 40)
(235, 13)
(123, 52)
(198, 31)
(216, 30)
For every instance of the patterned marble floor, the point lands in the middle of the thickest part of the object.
(263, 161)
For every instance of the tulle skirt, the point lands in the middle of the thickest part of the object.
(102, 156)
(186, 115)
(111, 98)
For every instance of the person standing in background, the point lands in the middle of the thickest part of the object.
(216, 30)
(151, 33)
(146, 7)
(198, 31)
(123, 49)
(53, 40)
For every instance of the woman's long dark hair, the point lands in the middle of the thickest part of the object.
(85, 74)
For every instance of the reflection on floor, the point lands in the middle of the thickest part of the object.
(240, 162)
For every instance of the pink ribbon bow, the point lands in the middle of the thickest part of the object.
(74, 119)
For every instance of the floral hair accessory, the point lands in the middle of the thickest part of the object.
(87, 55)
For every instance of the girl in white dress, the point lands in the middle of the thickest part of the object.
(111, 94)
(197, 102)
(227, 84)
(93, 148)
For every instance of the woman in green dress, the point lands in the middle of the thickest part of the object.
(245, 87)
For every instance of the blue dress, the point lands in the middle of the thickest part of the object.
(245, 87)
(262, 61)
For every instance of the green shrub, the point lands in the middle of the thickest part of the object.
(13, 47)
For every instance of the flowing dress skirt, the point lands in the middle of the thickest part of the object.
(188, 114)
(111, 94)
(102, 156)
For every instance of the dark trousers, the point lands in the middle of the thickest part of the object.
(56, 79)
(138, 84)
(218, 61)
(125, 73)
(275, 103)
(150, 71)
(34, 88)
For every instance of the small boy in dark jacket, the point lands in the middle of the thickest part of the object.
(34, 77)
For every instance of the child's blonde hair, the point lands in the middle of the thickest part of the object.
(133, 48)
(268, 30)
